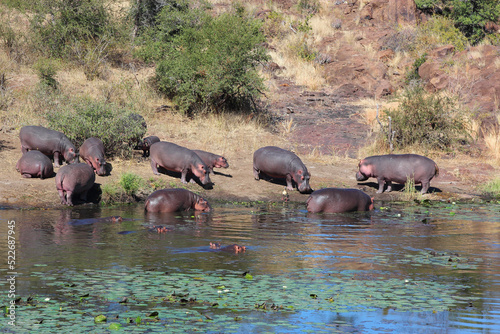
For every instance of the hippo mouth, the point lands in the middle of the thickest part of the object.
(361, 177)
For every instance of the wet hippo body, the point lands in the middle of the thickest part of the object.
(334, 200)
(398, 168)
(35, 164)
(92, 152)
(49, 142)
(276, 162)
(178, 159)
(172, 200)
(146, 144)
(72, 180)
(230, 249)
(212, 160)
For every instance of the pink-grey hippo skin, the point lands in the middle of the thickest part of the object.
(173, 200)
(212, 160)
(73, 180)
(276, 162)
(146, 145)
(49, 142)
(397, 168)
(177, 158)
(336, 200)
(92, 152)
(35, 164)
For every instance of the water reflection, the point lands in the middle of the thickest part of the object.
(452, 244)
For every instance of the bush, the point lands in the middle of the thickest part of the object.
(440, 31)
(119, 129)
(427, 120)
(46, 70)
(413, 74)
(471, 17)
(207, 62)
(69, 21)
(492, 188)
(131, 183)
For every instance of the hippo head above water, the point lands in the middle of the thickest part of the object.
(202, 205)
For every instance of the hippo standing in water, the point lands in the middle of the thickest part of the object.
(74, 179)
(172, 200)
(398, 168)
(35, 164)
(333, 200)
(178, 159)
(276, 162)
(146, 145)
(92, 152)
(212, 160)
(49, 142)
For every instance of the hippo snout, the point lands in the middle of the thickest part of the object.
(305, 188)
(361, 177)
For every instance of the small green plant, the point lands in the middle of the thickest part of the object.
(431, 121)
(409, 191)
(413, 74)
(303, 49)
(46, 70)
(492, 188)
(131, 183)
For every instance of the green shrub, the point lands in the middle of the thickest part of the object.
(471, 16)
(440, 31)
(212, 65)
(428, 120)
(46, 70)
(492, 188)
(131, 183)
(413, 74)
(70, 21)
(118, 128)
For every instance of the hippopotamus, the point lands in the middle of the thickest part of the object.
(92, 152)
(178, 159)
(334, 200)
(146, 144)
(74, 179)
(212, 160)
(172, 200)
(35, 164)
(398, 168)
(49, 142)
(231, 248)
(276, 162)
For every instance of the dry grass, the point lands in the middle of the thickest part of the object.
(321, 27)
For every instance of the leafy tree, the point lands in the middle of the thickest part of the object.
(205, 62)
(471, 16)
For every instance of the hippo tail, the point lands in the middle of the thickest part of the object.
(436, 170)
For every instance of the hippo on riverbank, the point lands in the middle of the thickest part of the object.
(92, 152)
(276, 162)
(176, 158)
(398, 168)
(212, 160)
(172, 200)
(35, 164)
(335, 200)
(49, 142)
(146, 143)
(72, 180)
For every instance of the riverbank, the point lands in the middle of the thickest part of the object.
(460, 178)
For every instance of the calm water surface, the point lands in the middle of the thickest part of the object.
(413, 268)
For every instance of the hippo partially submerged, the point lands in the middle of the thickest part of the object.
(172, 200)
(398, 168)
(276, 162)
(335, 200)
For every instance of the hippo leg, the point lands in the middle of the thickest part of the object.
(57, 161)
(381, 184)
(389, 186)
(183, 176)
(153, 167)
(256, 173)
(61, 195)
(289, 185)
(425, 186)
(69, 200)
(26, 175)
(83, 196)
